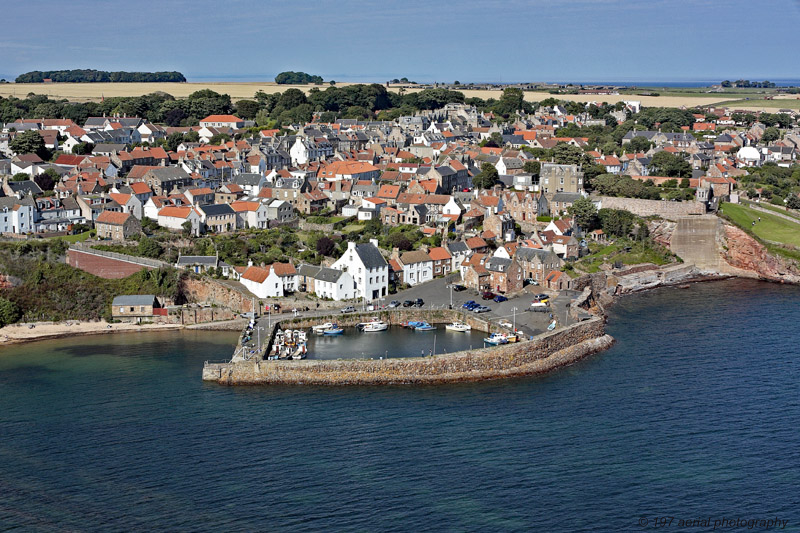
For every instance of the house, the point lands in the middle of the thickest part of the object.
(555, 178)
(329, 283)
(251, 214)
(536, 263)
(222, 121)
(219, 218)
(562, 226)
(117, 226)
(200, 264)
(562, 201)
(129, 203)
(459, 251)
(368, 268)
(163, 180)
(176, 217)
(279, 210)
(565, 246)
(505, 275)
(17, 216)
(134, 308)
(417, 267)
(558, 281)
(273, 280)
(442, 261)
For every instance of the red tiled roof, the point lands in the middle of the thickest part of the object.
(113, 218)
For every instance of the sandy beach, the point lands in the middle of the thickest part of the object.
(19, 333)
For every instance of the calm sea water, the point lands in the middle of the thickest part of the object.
(693, 414)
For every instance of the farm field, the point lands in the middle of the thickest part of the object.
(242, 90)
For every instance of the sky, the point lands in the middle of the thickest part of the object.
(423, 40)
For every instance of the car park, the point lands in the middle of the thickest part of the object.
(500, 298)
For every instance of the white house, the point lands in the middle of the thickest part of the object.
(251, 214)
(417, 267)
(273, 280)
(174, 217)
(16, 216)
(334, 284)
(367, 266)
(222, 121)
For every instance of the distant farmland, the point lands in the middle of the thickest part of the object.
(240, 90)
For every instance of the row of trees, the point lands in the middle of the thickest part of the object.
(296, 78)
(96, 76)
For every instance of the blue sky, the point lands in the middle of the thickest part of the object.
(424, 40)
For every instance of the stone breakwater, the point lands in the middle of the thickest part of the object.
(543, 353)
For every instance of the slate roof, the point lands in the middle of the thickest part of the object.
(209, 260)
(133, 300)
(25, 187)
(567, 197)
(370, 256)
(212, 210)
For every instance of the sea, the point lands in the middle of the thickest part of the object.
(691, 418)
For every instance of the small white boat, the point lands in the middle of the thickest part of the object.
(552, 326)
(374, 325)
(458, 326)
(506, 324)
(322, 327)
(496, 338)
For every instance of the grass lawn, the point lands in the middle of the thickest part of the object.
(771, 228)
(350, 228)
(78, 237)
(777, 209)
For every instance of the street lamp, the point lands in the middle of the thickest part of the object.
(514, 309)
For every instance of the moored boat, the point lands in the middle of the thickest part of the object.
(424, 326)
(374, 325)
(496, 338)
(458, 326)
(322, 327)
(334, 330)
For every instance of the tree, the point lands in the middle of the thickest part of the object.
(487, 177)
(567, 154)
(9, 312)
(771, 134)
(30, 142)
(639, 144)
(149, 248)
(685, 183)
(20, 176)
(495, 140)
(83, 148)
(247, 109)
(325, 246)
(532, 167)
(671, 165)
(793, 202)
(47, 180)
(616, 222)
(584, 212)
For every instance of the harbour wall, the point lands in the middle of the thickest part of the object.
(543, 353)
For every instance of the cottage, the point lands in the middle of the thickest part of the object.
(117, 226)
(134, 308)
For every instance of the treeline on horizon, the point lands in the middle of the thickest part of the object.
(98, 76)
(296, 78)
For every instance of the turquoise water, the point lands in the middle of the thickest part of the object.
(692, 414)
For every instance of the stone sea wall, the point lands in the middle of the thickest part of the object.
(542, 354)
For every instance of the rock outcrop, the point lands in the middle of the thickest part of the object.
(747, 257)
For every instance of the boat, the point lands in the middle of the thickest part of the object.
(374, 325)
(514, 337)
(300, 353)
(496, 338)
(413, 324)
(322, 327)
(424, 326)
(552, 326)
(458, 326)
(334, 330)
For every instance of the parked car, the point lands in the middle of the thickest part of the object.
(459, 288)
(541, 296)
(408, 303)
(349, 309)
(487, 295)
(468, 303)
(393, 304)
(481, 309)
(529, 281)
(500, 298)
(418, 302)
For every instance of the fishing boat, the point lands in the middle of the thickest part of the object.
(495, 339)
(458, 326)
(318, 329)
(424, 326)
(513, 337)
(333, 330)
(374, 325)
(300, 352)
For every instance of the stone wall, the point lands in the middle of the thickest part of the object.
(211, 291)
(545, 352)
(644, 208)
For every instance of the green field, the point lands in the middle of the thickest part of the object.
(770, 228)
(784, 103)
(76, 238)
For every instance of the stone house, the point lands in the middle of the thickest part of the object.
(505, 275)
(537, 263)
(133, 308)
(117, 226)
